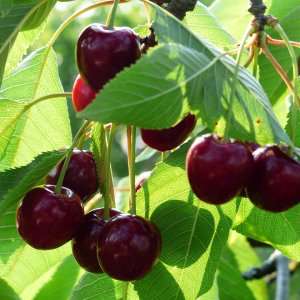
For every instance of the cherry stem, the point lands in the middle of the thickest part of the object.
(131, 140)
(275, 63)
(69, 20)
(80, 132)
(93, 202)
(163, 155)
(295, 105)
(250, 57)
(250, 29)
(106, 192)
(276, 42)
(112, 15)
(132, 176)
(255, 61)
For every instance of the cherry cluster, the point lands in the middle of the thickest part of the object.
(125, 246)
(220, 170)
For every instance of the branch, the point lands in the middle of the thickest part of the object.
(179, 8)
(283, 276)
(257, 8)
(267, 267)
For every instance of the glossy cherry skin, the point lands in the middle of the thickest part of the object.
(102, 53)
(84, 244)
(218, 170)
(128, 247)
(169, 138)
(82, 94)
(275, 185)
(46, 220)
(81, 174)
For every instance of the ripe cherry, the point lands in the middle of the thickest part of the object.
(169, 138)
(82, 94)
(128, 247)
(81, 174)
(275, 185)
(46, 220)
(84, 244)
(102, 53)
(218, 170)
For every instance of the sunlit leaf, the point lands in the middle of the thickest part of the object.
(43, 127)
(26, 177)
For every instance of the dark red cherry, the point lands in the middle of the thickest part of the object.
(84, 244)
(275, 185)
(128, 247)
(169, 138)
(102, 53)
(218, 170)
(81, 174)
(46, 220)
(82, 94)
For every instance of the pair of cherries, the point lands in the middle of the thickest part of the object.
(125, 246)
(220, 170)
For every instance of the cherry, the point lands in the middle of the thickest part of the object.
(218, 170)
(84, 244)
(102, 53)
(169, 138)
(275, 185)
(81, 174)
(82, 94)
(46, 220)
(128, 247)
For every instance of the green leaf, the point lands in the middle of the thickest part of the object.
(238, 257)
(45, 126)
(15, 15)
(281, 230)
(17, 182)
(39, 15)
(174, 79)
(100, 286)
(99, 149)
(23, 41)
(6, 292)
(203, 22)
(5, 7)
(233, 15)
(23, 268)
(61, 283)
(193, 232)
(145, 154)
